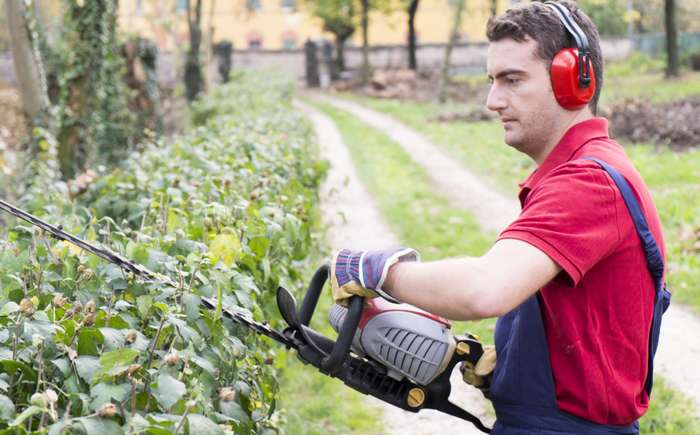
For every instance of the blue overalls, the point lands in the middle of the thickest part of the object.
(522, 388)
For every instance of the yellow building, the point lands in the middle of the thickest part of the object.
(286, 24)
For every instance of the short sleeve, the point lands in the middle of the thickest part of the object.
(571, 216)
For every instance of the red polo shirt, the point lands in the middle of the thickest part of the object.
(597, 313)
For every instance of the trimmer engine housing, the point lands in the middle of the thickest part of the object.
(406, 340)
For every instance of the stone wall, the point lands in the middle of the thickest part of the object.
(466, 58)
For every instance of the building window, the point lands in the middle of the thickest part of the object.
(255, 40)
(253, 5)
(289, 5)
(139, 8)
(181, 6)
(289, 40)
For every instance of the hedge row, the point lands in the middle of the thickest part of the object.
(225, 210)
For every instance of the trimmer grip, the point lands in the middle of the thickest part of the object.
(308, 306)
(334, 361)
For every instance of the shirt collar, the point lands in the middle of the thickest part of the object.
(574, 138)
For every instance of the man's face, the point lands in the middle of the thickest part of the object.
(521, 93)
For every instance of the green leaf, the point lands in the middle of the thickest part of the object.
(116, 362)
(233, 409)
(204, 364)
(143, 304)
(100, 426)
(191, 303)
(59, 428)
(168, 391)
(89, 340)
(87, 366)
(200, 424)
(40, 327)
(9, 308)
(63, 365)
(30, 411)
(11, 367)
(225, 248)
(259, 246)
(113, 338)
(7, 408)
(104, 393)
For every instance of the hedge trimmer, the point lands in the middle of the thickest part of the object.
(395, 352)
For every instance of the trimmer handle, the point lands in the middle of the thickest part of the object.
(334, 361)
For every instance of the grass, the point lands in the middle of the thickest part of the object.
(652, 87)
(669, 413)
(316, 404)
(386, 169)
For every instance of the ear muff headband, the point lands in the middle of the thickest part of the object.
(584, 73)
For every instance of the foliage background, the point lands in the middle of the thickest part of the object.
(225, 211)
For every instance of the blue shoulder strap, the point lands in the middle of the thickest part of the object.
(655, 262)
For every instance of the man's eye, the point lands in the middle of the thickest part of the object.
(513, 81)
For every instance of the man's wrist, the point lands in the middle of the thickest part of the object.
(391, 283)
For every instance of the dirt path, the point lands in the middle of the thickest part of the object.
(678, 356)
(464, 190)
(355, 222)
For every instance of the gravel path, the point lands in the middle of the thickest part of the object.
(462, 188)
(355, 222)
(678, 356)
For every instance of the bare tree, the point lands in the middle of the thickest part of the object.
(671, 38)
(365, 42)
(28, 66)
(494, 7)
(194, 81)
(412, 10)
(338, 18)
(454, 35)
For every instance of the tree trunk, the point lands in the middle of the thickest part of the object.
(28, 67)
(494, 7)
(444, 76)
(210, 48)
(340, 53)
(365, 42)
(671, 39)
(412, 9)
(194, 80)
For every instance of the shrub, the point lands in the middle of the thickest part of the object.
(226, 211)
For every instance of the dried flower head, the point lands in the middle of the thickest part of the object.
(107, 410)
(172, 358)
(227, 394)
(26, 307)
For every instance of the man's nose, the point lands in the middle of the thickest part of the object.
(495, 101)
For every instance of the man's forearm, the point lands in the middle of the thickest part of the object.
(452, 288)
(474, 288)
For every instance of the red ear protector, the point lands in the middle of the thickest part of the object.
(572, 75)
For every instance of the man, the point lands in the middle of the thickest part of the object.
(577, 279)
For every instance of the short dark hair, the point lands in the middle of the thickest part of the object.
(541, 24)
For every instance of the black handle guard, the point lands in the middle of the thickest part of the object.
(368, 377)
(331, 361)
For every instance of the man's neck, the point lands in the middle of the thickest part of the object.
(559, 131)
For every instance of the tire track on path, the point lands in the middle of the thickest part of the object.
(678, 355)
(354, 221)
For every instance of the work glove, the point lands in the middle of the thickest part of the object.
(479, 374)
(362, 273)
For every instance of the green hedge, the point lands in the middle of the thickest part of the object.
(226, 210)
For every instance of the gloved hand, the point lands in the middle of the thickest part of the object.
(363, 273)
(479, 375)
